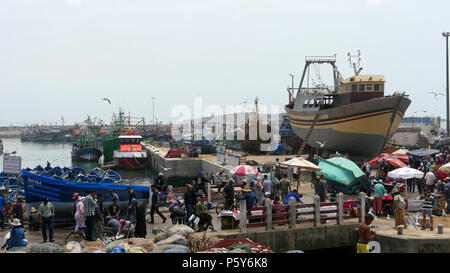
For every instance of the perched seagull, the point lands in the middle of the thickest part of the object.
(436, 94)
(321, 144)
(108, 100)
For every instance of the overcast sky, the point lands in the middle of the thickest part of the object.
(61, 57)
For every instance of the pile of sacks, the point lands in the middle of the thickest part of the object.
(174, 240)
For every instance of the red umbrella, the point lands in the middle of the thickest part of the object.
(392, 160)
(244, 170)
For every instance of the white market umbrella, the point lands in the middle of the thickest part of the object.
(301, 163)
(405, 173)
(445, 168)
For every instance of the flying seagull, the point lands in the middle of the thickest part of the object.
(321, 144)
(108, 100)
(436, 94)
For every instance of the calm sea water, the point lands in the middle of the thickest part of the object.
(58, 154)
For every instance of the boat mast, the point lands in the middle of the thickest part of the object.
(320, 60)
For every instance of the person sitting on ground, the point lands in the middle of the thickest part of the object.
(17, 235)
(365, 234)
(202, 213)
(114, 209)
(427, 209)
(294, 194)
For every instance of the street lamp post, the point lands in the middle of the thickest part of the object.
(153, 99)
(446, 34)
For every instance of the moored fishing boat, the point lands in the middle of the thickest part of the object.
(86, 150)
(130, 154)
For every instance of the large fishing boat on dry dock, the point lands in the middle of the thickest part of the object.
(353, 116)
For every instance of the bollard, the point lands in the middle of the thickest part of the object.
(268, 214)
(340, 214)
(399, 230)
(362, 207)
(292, 212)
(209, 192)
(243, 216)
(440, 229)
(316, 210)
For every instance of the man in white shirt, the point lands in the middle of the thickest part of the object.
(429, 180)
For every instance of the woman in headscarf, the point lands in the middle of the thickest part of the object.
(258, 190)
(79, 214)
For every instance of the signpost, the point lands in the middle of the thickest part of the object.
(12, 165)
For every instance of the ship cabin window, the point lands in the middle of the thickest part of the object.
(348, 88)
(368, 87)
(305, 103)
(354, 87)
(376, 87)
(361, 87)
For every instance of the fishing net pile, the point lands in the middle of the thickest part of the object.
(238, 245)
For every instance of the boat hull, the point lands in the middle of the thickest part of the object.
(358, 128)
(89, 154)
(131, 160)
(109, 146)
(60, 193)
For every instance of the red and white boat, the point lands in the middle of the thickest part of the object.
(130, 154)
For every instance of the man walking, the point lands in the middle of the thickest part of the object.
(429, 180)
(285, 187)
(155, 206)
(47, 212)
(17, 211)
(89, 213)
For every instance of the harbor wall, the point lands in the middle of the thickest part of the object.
(179, 167)
(403, 244)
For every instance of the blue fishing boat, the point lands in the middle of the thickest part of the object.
(60, 191)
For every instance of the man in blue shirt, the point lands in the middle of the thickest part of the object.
(2, 216)
(249, 197)
(294, 194)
